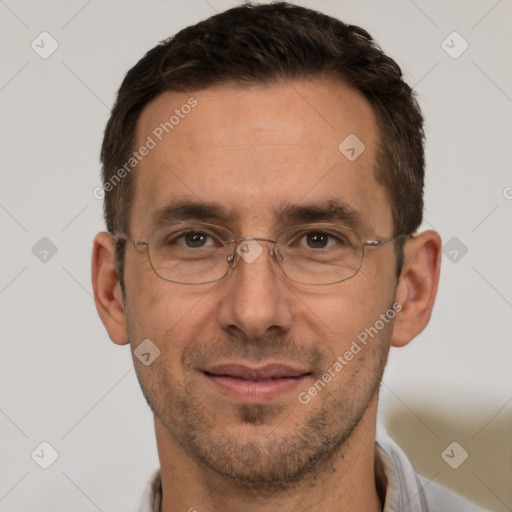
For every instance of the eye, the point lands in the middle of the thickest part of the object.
(320, 240)
(317, 240)
(194, 239)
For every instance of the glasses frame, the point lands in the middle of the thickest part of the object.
(231, 259)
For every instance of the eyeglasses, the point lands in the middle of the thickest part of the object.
(199, 253)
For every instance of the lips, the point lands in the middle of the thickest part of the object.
(255, 384)
(264, 373)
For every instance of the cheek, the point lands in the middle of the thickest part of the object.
(172, 321)
(170, 315)
(349, 308)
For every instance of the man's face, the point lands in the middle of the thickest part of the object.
(253, 152)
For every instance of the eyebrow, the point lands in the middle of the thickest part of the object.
(330, 210)
(185, 210)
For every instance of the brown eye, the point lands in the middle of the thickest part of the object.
(317, 240)
(195, 239)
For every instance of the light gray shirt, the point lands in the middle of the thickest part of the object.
(406, 491)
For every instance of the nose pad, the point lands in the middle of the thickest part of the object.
(278, 255)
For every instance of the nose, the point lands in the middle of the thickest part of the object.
(256, 298)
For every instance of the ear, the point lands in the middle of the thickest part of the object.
(417, 286)
(107, 290)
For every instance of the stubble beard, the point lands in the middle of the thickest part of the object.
(278, 460)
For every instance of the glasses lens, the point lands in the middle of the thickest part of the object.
(320, 254)
(189, 252)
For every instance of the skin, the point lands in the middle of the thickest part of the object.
(251, 151)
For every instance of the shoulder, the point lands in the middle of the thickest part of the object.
(406, 491)
(440, 499)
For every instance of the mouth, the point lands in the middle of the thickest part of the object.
(255, 385)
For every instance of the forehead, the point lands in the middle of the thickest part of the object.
(259, 150)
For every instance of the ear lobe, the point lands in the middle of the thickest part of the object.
(417, 286)
(107, 290)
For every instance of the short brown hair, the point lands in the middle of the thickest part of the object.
(263, 44)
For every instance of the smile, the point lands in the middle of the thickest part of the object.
(255, 385)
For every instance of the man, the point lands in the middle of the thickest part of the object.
(263, 172)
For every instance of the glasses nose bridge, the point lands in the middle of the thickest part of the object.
(273, 250)
(259, 239)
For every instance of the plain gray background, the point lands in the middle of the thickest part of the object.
(64, 382)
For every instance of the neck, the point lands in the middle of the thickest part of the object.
(345, 483)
